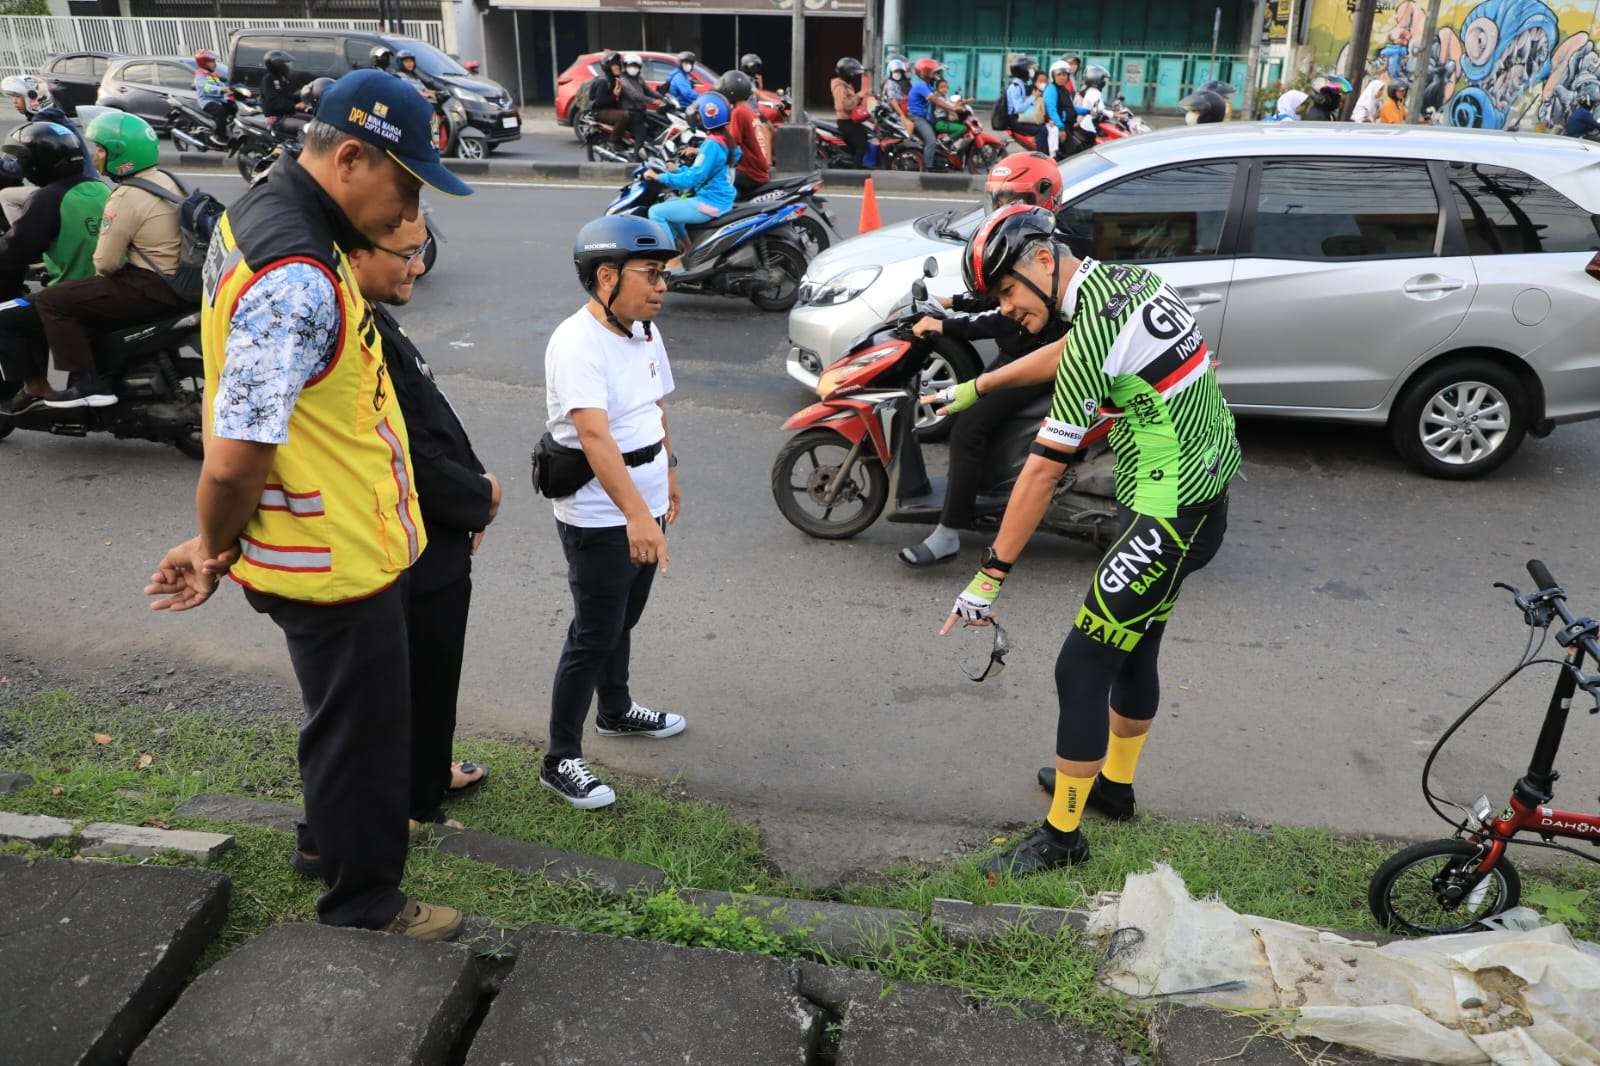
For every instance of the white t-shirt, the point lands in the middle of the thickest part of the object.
(588, 365)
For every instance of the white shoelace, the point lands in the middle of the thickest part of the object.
(576, 771)
(642, 714)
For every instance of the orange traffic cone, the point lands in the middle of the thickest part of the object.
(869, 209)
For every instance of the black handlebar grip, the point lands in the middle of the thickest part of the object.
(1541, 575)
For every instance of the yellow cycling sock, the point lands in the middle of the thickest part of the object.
(1122, 758)
(1066, 807)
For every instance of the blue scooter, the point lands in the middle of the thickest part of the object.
(752, 250)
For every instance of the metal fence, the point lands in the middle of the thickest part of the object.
(1149, 79)
(27, 41)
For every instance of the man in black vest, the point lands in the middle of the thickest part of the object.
(459, 500)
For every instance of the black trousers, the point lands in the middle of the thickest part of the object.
(609, 591)
(855, 135)
(221, 112)
(436, 628)
(744, 185)
(355, 747)
(970, 438)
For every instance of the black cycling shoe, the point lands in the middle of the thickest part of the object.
(1109, 799)
(1040, 850)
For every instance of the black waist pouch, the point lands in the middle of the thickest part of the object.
(560, 471)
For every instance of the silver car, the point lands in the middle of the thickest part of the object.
(1441, 282)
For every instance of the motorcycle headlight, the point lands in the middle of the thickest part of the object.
(841, 288)
(469, 96)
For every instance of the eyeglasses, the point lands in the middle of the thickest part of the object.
(409, 257)
(653, 275)
(997, 658)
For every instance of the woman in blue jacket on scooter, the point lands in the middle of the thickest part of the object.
(707, 190)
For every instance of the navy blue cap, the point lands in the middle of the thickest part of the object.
(388, 112)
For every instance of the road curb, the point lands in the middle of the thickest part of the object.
(617, 173)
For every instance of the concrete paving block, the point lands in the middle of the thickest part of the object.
(241, 809)
(303, 993)
(835, 988)
(968, 923)
(14, 782)
(609, 876)
(889, 1032)
(38, 829)
(839, 927)
(143, 842)
(1200, 1036)
(95, 952)
(575, 999)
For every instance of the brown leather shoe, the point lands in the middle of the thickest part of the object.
(425, 921)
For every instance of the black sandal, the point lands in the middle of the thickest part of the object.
(919, 556)
(471, 786)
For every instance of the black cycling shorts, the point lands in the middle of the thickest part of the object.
(1137, 581)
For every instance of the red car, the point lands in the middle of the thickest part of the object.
(658, 67)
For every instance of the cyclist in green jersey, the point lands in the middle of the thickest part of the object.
(1134, 354)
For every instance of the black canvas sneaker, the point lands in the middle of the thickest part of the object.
(640, 722)
(572, 781)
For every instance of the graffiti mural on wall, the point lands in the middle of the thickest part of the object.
(1499, 64)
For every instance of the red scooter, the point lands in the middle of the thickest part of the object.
(974, 152)
(858, 448)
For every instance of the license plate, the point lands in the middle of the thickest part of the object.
(510, 122)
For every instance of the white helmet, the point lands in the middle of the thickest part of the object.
(1060, 66)
(631, 59)
(30, 90)
(897, 66)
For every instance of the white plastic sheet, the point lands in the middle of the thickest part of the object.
(1514, 997)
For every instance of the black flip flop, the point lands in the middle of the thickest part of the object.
(471, 786)
(920, 556)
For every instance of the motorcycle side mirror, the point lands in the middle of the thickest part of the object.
(930, 267)
(919, 290)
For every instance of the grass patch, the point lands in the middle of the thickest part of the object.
(136, 766)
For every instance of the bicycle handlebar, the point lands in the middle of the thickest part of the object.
(1582, 631)
(1541, 573)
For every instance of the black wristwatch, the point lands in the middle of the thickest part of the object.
(672, 461)
(991, 561)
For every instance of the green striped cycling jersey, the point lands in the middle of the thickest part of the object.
(1135, 354)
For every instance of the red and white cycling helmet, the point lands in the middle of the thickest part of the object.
(1000, 242)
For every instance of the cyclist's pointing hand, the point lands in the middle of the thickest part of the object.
(975, 605)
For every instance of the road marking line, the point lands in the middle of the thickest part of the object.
(832, 194)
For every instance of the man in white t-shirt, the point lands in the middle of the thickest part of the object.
(606, 374)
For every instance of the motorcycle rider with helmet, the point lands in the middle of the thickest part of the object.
(31, 98)
(212, 93)
(1060, 105)
(383, 58)
(605, 98)
(1134, 350)
(636, 96)
(1203, 106)
(1224, 90)
(278, 101)
(744, 131)
(1581, 123)
(850, 105)
(751, 64)
(1393, 111)
(1019, 99)
(1031, 178)
(311, 93)
(1327, 99)
(921, 101)
(897, 83)
(706, 190)
(59, 226)
(135, 253)
(406, 67)
(681, 86)
(1093, 100)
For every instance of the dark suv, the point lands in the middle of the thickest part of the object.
(333, 53)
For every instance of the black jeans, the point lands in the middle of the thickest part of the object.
(221, 112)
(436, 629)
(355, 747)
(970, 438)
(609, 591)
(1035, 130)
(855, 135)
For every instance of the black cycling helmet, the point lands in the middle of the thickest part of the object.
(849, 68)
(382, 56)
(999, 243)
(616, 239)
(686, 57)
(47, 151)
(1203, 106)
(311, 92)
(736, 85)
(278, 62)
(750, 63)
(1023, 67)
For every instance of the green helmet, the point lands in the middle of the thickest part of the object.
(129, 141)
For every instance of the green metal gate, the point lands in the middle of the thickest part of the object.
(1150, 81)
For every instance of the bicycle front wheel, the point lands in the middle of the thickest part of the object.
(1433, 888)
